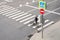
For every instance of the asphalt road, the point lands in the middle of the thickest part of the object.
(14, 30)
(9, 30)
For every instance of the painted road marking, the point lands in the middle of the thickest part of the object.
(28, 21)
(10, 12)
(16, 15)
(27, 18)
(24, 17)
(13, 13)
(20, 15)
(40, 23)
(46, 25)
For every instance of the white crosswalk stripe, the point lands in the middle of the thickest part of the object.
(20, 15)
(24, 17)
(46, 25)
(16, 15)
(13, 13)
(1, 12)
(4, 12)
(40, 23)
(46, 20)
(8, 7)
(5, 9)
(9, 12)
(5, 6)
(28, 18)
(1, 3)
(29, 21)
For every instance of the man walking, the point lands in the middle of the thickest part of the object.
(36, 19)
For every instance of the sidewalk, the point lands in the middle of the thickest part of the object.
(50, 33)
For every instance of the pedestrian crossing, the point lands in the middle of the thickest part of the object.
(39, 29)
(27, 18)
(16, 14)
(40, 23)
(12, 16)
(21, 16)
(46, 24)
(2, 3)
